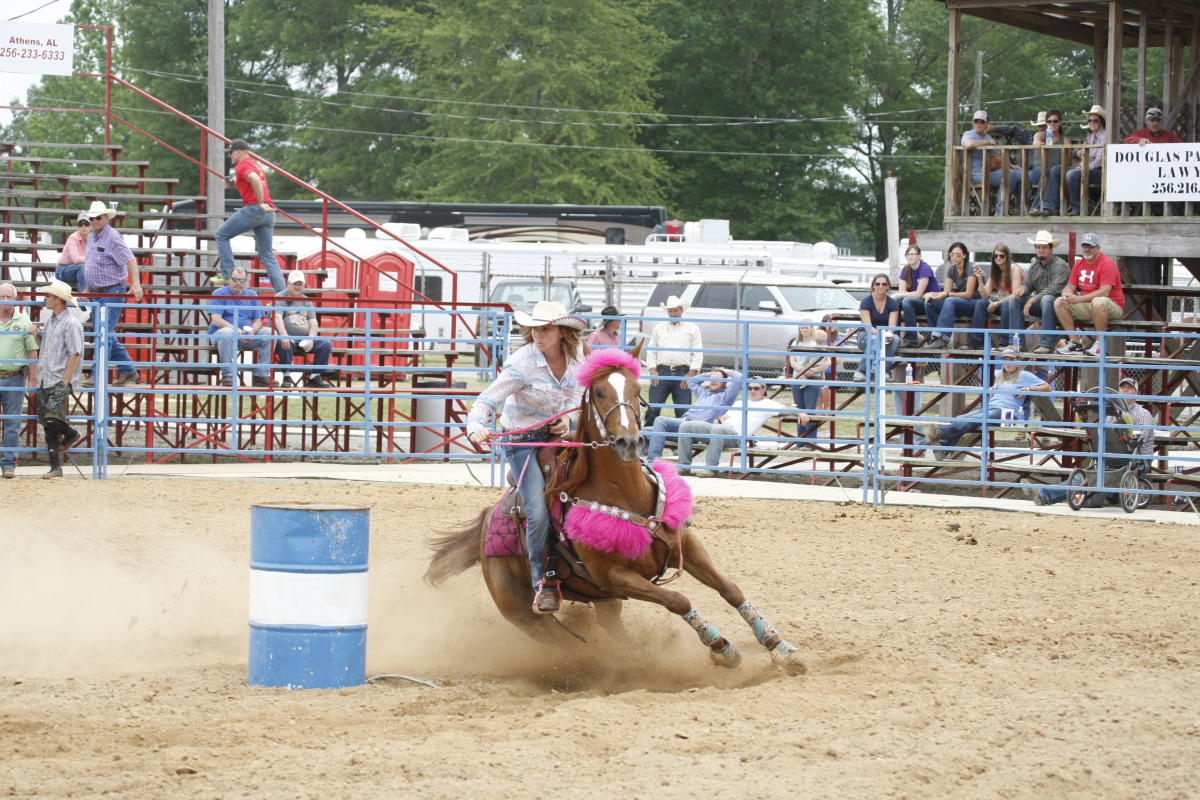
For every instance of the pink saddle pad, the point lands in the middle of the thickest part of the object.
(503, 536)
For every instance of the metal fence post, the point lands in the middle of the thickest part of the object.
(100, 393)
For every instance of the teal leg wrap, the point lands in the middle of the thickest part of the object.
(764, 631)
(707, 632)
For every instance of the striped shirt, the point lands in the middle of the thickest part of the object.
(528, 391)
(107, 259)
(675, 344)
(62, 337)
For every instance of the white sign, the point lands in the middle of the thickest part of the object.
(36, 48)
(1153, 172)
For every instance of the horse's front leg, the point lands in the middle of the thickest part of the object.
(627, 583)
(697, 563)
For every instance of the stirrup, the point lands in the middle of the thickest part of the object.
(548, 597)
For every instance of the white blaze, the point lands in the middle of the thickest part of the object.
(617, 381)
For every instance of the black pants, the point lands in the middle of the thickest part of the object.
(678, 390)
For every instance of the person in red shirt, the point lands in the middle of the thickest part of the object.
(1154, 132)
(257, 214)
(1093, 293)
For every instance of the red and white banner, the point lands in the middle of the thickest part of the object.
(37, 48)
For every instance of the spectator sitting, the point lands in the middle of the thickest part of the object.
(1143, 445)
(1048, 275)
(237, 322)
(1007, 394)
(296, 322)
(725, 429)
(975, 142)
(1153, 132)
(1093, 293)
(714, 392)
(877, 310)
(1002, 281)
(609, 332)
(1046, 159)
(810, 368)
(956, 299)
(675, 350)
(1094, 157)
(916, 282)
(74, 254)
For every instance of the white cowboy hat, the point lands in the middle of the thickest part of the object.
(548, 312)
(99, 209)
(1098, 111)
(61, 290)
(1044, 237)
(673, 302)
(1040, 121)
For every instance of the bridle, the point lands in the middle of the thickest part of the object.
(606, 439)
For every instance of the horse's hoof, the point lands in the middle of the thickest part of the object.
(785, 657)
(726, 656)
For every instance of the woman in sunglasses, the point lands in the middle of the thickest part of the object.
(1045, 199)
(996, 286)
(74, 254)
(877, 310)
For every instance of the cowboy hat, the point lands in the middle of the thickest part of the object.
(548, 312)
(1098, 111)
(1044, 237)
(673, 302)
(99, 209)
(61, 290)
(1040, 121)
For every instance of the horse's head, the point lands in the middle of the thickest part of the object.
(611, 409)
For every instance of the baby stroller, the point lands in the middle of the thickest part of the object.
(1124, 471)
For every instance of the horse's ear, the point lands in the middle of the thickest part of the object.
(587, 348)
(636, 352)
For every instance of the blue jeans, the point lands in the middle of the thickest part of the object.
(251, 218)
(320, 353)
(12, 394)
(532, 488)
(1052, 496)
(961, 426)
(941, 314)
(865, 365)
(230, 340)
(118, 356)
(806, 398)
(909, 308)
(656, 437)
(1050, 322)
(1075, 182)
(678, 390)
(1011, 319)
(70, 273)
(996, 176)
(722, 435)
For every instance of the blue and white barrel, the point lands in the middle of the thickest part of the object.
(308, 595)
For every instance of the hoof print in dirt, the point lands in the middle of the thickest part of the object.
(954, 527)
(966, 539)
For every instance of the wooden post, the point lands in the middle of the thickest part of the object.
(1112, 126)
(1143, 36)
(1168, 71)
(951, 107)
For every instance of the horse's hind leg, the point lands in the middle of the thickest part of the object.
(628, 583)
(608, 615)
(509, 586)
(697, 563)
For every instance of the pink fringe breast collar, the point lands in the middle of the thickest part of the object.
(613, 530)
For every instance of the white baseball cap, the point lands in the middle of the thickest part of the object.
(296, 276)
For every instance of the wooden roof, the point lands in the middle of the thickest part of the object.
(1078, 20)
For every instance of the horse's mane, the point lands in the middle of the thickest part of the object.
(606, 358)
(572, 466)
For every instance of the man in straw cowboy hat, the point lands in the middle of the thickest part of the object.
(1043, 284)
(108, 265)
(675, 352)
(61, 352)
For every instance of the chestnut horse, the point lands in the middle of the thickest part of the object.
(607, 474)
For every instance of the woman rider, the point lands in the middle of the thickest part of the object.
(538, 381)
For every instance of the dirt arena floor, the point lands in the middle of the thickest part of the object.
(951, 654)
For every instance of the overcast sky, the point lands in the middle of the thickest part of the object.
(16, 84)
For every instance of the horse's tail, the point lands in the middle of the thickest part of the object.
(455, 551)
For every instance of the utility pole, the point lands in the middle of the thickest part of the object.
(215, 184)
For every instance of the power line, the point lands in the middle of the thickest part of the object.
(33, 11)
